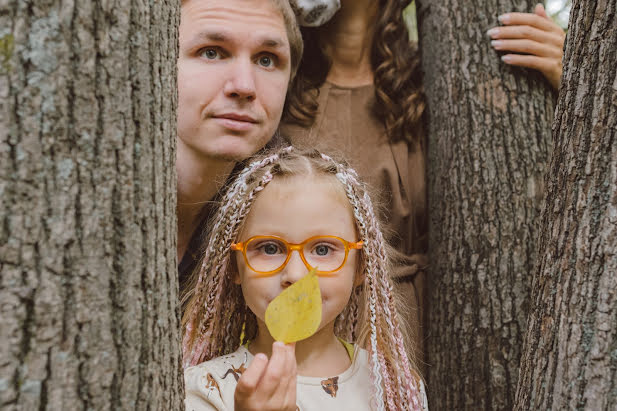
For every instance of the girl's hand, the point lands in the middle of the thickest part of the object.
(269, 385)
(537, 36)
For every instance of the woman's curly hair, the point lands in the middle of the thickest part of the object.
(395, 62)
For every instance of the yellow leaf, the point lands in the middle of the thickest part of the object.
(296, 313)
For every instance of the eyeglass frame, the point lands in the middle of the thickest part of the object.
(349, 245)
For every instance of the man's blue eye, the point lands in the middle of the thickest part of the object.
(210, 54)
(266, 61)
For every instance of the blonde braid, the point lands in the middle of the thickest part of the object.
(216, 261)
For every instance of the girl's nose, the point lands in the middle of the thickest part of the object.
(294, 270)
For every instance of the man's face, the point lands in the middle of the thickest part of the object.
(233, 71)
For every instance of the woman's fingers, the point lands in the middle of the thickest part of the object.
(526, 32)
(536, 36)
(527, 46)
(540, 11)
(550, 67)
(530, 19)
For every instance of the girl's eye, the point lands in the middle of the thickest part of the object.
(266, 61)
(270, 248)
(210, 53)
(322, 250)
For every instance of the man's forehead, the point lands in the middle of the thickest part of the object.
(257, 11)
(259, 16)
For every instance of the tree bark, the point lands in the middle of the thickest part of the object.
(570, 354)
(89, 317)
(488, 146)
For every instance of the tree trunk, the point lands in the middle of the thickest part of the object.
(488, 146)
(570, 354)
(89, 316)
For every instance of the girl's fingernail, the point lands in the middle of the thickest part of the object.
(506, 59)
(493, 32)
(496, 43)
(504, 18)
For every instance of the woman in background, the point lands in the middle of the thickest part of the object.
(358, 93)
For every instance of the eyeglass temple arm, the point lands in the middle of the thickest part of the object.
(357, 245)
(237, 246)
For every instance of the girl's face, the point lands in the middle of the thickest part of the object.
(296, 209)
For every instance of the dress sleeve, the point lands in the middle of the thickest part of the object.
(203, 391)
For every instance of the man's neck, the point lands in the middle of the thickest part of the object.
(199, 179)
(348, 39)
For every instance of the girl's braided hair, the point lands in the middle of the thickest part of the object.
(217, 317)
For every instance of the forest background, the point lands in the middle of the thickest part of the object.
(522, 192)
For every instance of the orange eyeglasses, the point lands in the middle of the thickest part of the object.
(267, 254)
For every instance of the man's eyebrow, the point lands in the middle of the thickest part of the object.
(272, 42)
(212, 36)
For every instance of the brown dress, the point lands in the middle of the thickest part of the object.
(346, 127)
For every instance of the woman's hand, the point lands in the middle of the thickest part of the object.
(269, 384)
(537, 36)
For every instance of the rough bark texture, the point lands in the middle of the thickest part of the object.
(88, 289)
(570, 354)
(488, 146)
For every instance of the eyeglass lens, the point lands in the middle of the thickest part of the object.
(269, 254)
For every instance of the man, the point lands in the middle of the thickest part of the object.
(236, 60)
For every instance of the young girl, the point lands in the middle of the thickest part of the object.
(356, 360)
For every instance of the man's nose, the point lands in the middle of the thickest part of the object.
(294, 270)
(241, 81)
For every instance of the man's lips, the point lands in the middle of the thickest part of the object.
(236, 117)
(235, 121)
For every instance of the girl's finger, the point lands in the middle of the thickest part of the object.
(527, 46)
(275, 371)
(249, 380)
(290, 376)
(526, 32)
(529, 19)
(287, 382)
